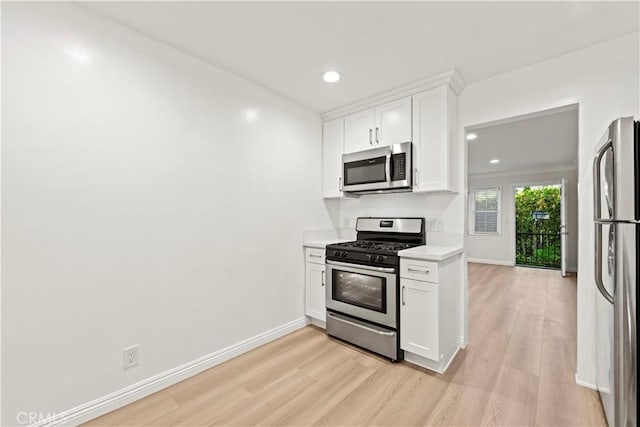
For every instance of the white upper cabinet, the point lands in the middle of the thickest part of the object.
(358, 131)
(434, 133)
(393, 122)
(332, 150)
(385, 124)
(429, 119)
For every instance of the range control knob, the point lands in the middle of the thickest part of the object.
(380, 258)
(343, 254)
(336, 253)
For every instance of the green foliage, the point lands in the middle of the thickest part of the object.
(538, 240)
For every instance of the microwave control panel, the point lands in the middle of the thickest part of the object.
(399, 167)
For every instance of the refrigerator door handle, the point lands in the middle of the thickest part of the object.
(597, 212)
(598, 264)
(597, 196)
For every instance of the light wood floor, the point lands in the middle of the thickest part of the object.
(518, 369)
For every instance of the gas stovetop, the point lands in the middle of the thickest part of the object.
(374, 246)
(378, 241)
(370, 252)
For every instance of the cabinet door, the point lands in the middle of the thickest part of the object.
(358, 131)
(434, 121)
(332, 150)
(393, 122)
(419, 329)
(315, 291)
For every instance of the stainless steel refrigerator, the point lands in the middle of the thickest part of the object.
(616, 174)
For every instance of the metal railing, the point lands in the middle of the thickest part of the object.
(538, 249)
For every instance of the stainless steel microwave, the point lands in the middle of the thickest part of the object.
(378, 170)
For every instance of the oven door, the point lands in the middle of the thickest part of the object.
(362, 291)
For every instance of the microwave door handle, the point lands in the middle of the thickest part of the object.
(388, 167)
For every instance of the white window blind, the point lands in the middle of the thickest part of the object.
(486, 210)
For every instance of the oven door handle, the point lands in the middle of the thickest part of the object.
(388, 334)
(362, 267)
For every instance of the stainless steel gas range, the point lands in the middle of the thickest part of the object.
(363, 284)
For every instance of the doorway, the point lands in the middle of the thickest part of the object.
(538, 226)
(531, 160)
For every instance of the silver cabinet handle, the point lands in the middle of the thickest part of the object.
(403, 300)
(417, 270)
(323, 277)
(315, 256)
(415, 177)
(340, 183)
(377, 135)
(370, 136)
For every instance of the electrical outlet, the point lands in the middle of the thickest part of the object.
(131, 356)
(436, 225)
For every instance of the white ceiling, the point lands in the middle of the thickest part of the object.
(545, 141)
(376, 46)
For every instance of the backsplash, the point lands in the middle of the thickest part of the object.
(433, 207)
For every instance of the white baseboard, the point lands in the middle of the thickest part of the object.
(490, 261)
(90, 410)
(455, 353)
(318, 323)
(585, 384)
(462, 343)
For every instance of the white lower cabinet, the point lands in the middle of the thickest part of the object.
(430, 311)
(419, 318)
(315, 304)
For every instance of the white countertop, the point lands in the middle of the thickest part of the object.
(321, 244)
(431, 252)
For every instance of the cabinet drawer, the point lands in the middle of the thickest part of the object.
(426, 271)
(314, 255)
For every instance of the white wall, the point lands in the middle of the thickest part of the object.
(140, 206)
(500, 248)
(397, 204)
(603, 79)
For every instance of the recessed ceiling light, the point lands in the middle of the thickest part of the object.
(471, 136)
(494, 161)
(78, 52)
(331, 76)
(250, 115)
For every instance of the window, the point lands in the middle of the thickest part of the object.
(485, 211)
